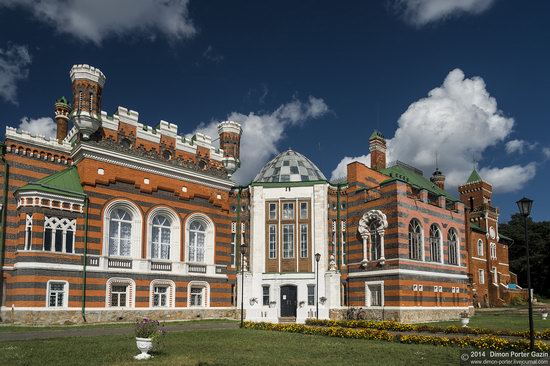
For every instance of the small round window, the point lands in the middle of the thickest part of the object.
(126, 143)
(167, 155)
(202, 165)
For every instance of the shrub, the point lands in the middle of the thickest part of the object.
(148, 328)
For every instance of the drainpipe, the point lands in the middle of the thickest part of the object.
(338, 228)
(85, 258)
(3, 219)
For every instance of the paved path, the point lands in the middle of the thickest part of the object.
(99, 331)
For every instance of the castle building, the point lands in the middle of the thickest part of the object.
(114, 219)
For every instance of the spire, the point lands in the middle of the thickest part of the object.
(474, 177)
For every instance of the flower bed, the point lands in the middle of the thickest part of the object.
(486, 342)
(400, 327)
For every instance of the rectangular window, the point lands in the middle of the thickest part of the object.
(303, 211)
(303, 240)
(196, 296)
(56, 294)
(288, 241)
(233, 243)
(119, 295)
(273, 211)
(374, 295)
(160, 296)
(272, 241)
(481, 277)
(28, 232)
(233, 295)
(495, 275)
(288, 211)
(311, 294)
(59, 234)
(265, 295)
(343, 223)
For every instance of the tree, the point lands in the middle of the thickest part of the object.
(539, 240)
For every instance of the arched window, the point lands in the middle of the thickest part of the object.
(480, 248)
(120, 233)
(197, 240)
(453, 247)
(375, 241)
(415, 240)
(161, 237)
(435, 243)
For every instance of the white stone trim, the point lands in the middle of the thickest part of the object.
(137, 219)
(130, 294)
(479, 259)
(209, 240)
(175, 232)
(407, 271)
(205, 295)
(171, 295)
(368, 296)
(65, 295)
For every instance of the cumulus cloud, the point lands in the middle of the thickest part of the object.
(422, 12)
(546, 152)
(458, 120)
(14, 62)
(263, 131)
(341, 169)
(44, 126)
(519, 146)
(99, 19)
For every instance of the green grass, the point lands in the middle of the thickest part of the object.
(225, 347)
(27, 328)
(501, 320)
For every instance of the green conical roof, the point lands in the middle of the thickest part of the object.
(65, 183)
(62, 100)
(474, 177)
(376, 134)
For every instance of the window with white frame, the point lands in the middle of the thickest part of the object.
(415, 240)
(374, 294)
(272, 241)
(197, 296)
(495, 275)
(120, 233)
(288, 241)
(303, 240)
(375, 240)
(453, 247)
(303, 210)
(28, 232)
(120, 292)
(481, 276)
(273, 211)
(197, 240)
(57, 294)
(435, 243)
(161, 232)
(480, 248)
(119, 295)
(493, 248)
(160, 296)
(288, 211)
(311, 294)
(59, 234)
(265, 295)
(233, 243)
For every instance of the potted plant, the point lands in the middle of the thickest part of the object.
(544, 313)
(147, 330)
(464, 318)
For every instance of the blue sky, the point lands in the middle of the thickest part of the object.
(467, 79)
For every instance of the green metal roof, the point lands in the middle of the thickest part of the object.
(477, 228)
(65, 182)
(507, 238)
(376, 134)
(413, 178)
(474, 177)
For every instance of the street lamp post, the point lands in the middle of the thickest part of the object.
(524, 206)
(243, 253)
(317, 259)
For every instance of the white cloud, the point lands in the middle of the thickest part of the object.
(510, 178)
(519, 146)
(262, 132)
(44, 126)
(459, 120)
(341, 169)
(14, 62)
(546, 152)
(422, 12)
(99, 19)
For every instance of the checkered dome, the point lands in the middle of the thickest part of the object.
(289, 166)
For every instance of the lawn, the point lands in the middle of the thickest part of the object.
(502, 320)
(225, 347)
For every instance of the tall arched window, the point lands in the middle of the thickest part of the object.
(120, 232)
(375, 241)
(480, 248)
(161, 233)
(415, 240)
(435, 243)
(453, 247)
(197, 239)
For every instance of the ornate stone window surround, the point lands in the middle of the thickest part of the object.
(205, 293)
(171, 295)
(372, 222)
(175, 233)
(135, 212)
(208, 240)
(130, 291)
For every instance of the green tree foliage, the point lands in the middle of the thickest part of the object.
(539, 246)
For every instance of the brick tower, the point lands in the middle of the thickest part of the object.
(62, 111)
(230, 143)
(377, 147)
(87, 87)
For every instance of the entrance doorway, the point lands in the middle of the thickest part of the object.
(289, 300)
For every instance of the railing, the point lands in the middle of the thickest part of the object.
(161, 266)
(197, 268)
(119, 263)
(221, 269)
(93, 261)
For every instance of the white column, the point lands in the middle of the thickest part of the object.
(365, 249)
(382, 256)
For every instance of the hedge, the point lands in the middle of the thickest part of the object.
(485, 342)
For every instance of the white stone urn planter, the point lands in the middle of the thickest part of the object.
(144, 345)
(464, 321)
(544, 315)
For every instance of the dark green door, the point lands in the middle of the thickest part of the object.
(289, 300)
